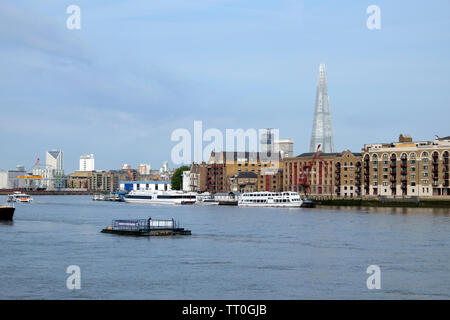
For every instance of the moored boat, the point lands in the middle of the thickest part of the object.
(270, 199)
(6, 213)
(160, 197)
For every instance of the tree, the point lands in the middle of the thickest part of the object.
(177, 178)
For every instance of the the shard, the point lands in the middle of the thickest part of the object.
(322, 132)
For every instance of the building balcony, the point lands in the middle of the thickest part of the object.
(435, 155)
(435, 170)
(404, 179)
(445, 161)
(393, 172)
(446, 184)
(393, 165)
(393, 158)
(366, 179)
(445, 169)
(393, 186)
(393, 179)
(403, 172)
(404, 165)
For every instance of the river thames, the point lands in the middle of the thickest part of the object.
(233, 252)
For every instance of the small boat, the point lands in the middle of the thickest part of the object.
(308, 203)
(146, 227)
(19, 197)
(270, 199)
(208, 202)
(6, 213)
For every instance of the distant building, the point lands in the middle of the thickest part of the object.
(9, 179)
(164, 167)
(322, 132)
(125, 167)
(285, 148)
(187, 181)
(144, 169)
(53, 174)
(87, 163)
(266, 141)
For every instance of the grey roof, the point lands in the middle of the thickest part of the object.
(54, 153)
(246, 174)
(326, 154)
(445, 138)
(248, 156)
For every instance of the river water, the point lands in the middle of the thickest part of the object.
(233, 253)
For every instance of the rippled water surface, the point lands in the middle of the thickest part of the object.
(233, 253)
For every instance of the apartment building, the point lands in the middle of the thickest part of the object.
(407, 168)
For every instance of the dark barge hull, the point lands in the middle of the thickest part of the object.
(148, 233)
(6, 213)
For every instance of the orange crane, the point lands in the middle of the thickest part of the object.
(305, 176)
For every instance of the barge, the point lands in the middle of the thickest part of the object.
(6, 213)
(146, 227)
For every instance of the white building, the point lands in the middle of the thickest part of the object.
(145, 185)
(187, 181)
(54, 160)
(164, 167)
(53, 174)
(144, 169)
(285, 148)
(87, 163)
(126, 167)
(9, 179)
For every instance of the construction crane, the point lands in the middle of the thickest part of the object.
(305, 177)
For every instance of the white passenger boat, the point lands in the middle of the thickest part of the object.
(19, 197)
(160, 197)
(270, 199)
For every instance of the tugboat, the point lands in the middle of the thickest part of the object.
(146, 227)
(6, 213)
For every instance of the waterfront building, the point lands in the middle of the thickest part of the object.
(285, 148)
(244, 182)
(322, 132)
(330, 174)
(102, 181)
(145, 185)
(407, 168)
(198, 177)
(223, 165)
(348, 174)
(270, 179)
(87, 163)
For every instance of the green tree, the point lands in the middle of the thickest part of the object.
(177, 178)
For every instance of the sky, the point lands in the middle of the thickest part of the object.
(137, 70)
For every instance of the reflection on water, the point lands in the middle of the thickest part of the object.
(233, 253)
(391, 210)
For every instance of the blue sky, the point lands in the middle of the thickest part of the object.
(137, 70)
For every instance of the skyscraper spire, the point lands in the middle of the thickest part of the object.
(322, 132)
